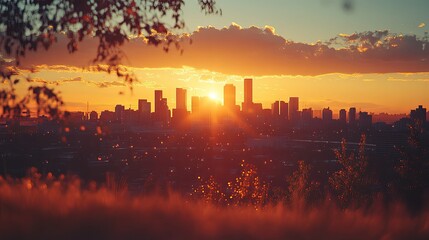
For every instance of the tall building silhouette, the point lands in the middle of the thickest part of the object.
(248, 90)
(343, 116)
(327, 114)
(352, 115)
(229, 96)
(181, 99)
(144, 110)
(157, 101)
(119, 112)
(248, 95)
(307, 114)
(293, 108)
(284, 110)
(144, 106)
(275, 108)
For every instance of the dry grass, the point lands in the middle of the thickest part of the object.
(61, 209)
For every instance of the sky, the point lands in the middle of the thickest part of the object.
(372, 57)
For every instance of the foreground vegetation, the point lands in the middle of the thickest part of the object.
(46, 207)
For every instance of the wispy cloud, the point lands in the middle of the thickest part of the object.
(101, 84)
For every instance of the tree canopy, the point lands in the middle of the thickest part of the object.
(28, 25)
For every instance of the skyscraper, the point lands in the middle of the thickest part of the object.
(248, 91)
(293, 108)
(157, 101)
(327, 114)
(343, 116)
(275, 108)
(181, 99)
(352, 115)
(229, 96)
(307, 114)
(284, 110)
(248, 95)
(144, 106)
(119, 112)
(144, 110)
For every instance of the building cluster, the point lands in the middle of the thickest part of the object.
(204, 110)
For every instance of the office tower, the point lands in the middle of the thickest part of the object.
(307, 114)
(144, 110)
(157, 101)
(144, 106)
(418, 114)
(275, 108)
(352, 115)
(164, 111)
(327, 114)
(293, 108)
(195, 104)
(284, 110)
(343, 116)
(248, 95)
(229, 96)
(181, 99)
(119, 112)
(365, 120)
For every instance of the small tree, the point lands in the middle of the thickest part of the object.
(301, 189)
(248, 189)
(413, 166)
(351, 183)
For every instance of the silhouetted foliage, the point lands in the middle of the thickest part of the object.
(352, 182)
(28, 25)
(301, 188)
(413, 166)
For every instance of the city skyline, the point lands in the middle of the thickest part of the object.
(287, 108)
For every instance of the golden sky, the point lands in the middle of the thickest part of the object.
(375, 71)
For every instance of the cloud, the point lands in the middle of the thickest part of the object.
(103, 84)
(422, 25)
(260, 51)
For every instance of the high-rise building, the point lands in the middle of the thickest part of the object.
(157, 101)
(119, 112)
(144, 106)
(284, 110)
(229, 96)
(352, 115)
(343, 116)
(293, 108)
(307, 114)
(144, 110)
(327, 114)
(275, 108)
(248, 95)
(181, 99)
(248, 91)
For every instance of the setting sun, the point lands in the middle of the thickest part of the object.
(213, 96)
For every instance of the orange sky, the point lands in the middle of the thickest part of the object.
(374, 71)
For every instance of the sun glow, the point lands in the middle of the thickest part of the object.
(213, 96)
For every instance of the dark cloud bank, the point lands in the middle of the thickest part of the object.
(260, 51)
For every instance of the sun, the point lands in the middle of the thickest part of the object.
(213, 96)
